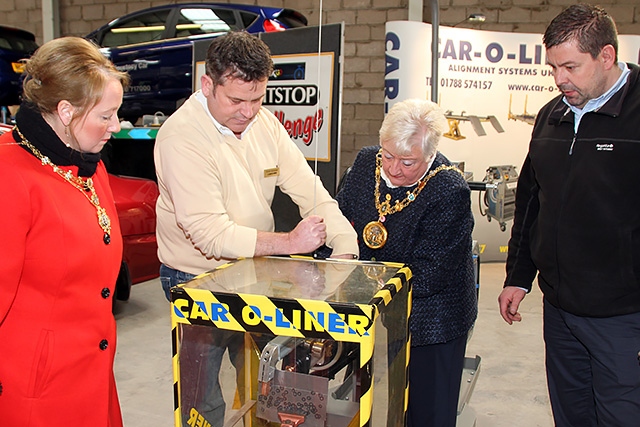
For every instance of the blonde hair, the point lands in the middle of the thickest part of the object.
(72, 69)
(413, 119)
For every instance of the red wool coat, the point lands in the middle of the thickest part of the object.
(57, 331)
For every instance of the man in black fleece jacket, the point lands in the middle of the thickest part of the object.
(577, 225)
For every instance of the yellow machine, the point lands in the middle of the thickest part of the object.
(292, 342)
(476, 122)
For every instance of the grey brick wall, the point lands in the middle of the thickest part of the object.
(364, 37)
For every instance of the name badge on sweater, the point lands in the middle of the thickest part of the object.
(271, 172)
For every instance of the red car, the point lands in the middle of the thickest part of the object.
(135, 200)
(136, 205)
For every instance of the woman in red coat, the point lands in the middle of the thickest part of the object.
(60, 243)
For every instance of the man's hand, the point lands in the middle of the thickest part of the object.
(509, 301)
(309, 235)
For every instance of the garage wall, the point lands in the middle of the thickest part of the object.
(364, 37)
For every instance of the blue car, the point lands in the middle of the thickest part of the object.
(15, 47)
(155, 46)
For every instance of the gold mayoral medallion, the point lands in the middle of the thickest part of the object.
(374, 235)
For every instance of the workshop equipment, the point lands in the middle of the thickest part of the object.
(499, 187)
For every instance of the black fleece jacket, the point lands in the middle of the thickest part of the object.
(577, 218)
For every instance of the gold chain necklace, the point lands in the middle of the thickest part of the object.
(375, 233)
(84, 185)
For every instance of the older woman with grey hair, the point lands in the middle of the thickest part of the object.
(408, 204)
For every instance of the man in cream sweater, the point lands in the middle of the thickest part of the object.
(219, 159)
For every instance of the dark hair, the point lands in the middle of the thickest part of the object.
(589, 25)
(238, 55)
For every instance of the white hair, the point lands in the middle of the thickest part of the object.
(411, 121)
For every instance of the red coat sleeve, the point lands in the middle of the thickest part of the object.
(14, 226)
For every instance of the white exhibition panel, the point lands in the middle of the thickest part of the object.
(480, 73)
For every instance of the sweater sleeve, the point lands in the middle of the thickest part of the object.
(354, 182)
(190, 179)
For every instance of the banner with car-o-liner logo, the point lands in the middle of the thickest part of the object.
(491, 85)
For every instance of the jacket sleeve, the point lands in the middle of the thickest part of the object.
(14, 227)
(521, 269)
(447, 244)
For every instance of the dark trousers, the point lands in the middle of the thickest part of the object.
(593, 372)
(435, 372)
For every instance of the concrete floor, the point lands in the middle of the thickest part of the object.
(510, 391)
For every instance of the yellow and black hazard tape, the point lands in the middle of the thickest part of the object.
(407, 355)
(278, 316)
(176, 372)
(401, 280)
(392, 287)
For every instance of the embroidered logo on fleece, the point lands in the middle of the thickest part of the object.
(604, 147)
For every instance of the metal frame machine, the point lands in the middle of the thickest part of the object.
(292, 342)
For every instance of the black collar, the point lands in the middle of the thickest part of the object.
(33, 126)
(562, 113)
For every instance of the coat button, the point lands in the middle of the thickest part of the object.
(106, 293)
(104, 344)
